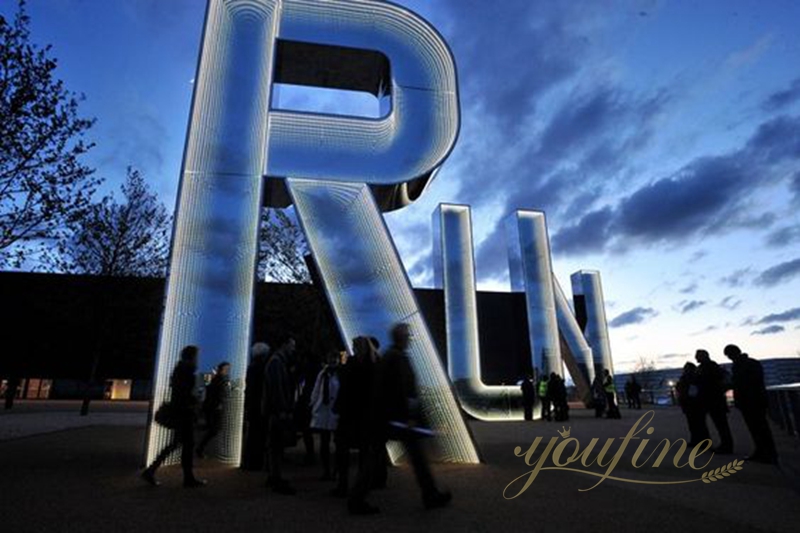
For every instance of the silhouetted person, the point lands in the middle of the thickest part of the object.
(355, 406)
(305, 376)
(255, 443)
(12, 386)
(323, 418)
(750, 397)
(528, 396)
(544, 396)
(278, 406)
(558, 393)
(214, 404)
(636, 393)
(184, 404)
(611, 390)
(629, 393)
(711, 379)
(598, 397)
(691, 402)
(400, 408)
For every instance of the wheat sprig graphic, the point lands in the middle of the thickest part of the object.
(722, 471)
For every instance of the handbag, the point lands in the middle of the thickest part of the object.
(166, 416)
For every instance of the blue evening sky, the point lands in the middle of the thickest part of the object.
(661, 138)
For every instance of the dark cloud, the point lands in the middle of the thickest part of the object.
(794, 186)
(730, 303)
(636, 315)
(784, 236)
(769, 330)
(783, 98)
(736, 278)
(689, 289)
(691, 305)
(587, 236)
(778, 274)
(786, 316)
(670, 356)
(708, 195)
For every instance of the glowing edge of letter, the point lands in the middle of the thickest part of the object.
(549, 314)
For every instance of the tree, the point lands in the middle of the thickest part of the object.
(43, 183)
(282, 248)
(130, 238)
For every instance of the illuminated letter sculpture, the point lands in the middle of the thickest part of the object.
(587, 293)
(554, 332)
(339, 172)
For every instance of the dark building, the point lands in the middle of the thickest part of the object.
(59, 326)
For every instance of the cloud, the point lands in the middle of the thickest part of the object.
(784, 236)
(706, 197)
(783, 98)
(786, 316)
(736, 278)
(730, 303)
(689, 289)
(769, 330)
(778, 274)
(636, 315)
(587, 236)
(707, 329)
(687, 306)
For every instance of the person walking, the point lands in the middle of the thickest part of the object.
(255, 441)
(691, 404)
(214, 405)
(400, 409)
(528, 396)
(277, 408)
(544, 396)
(711, 380)
(183, 403)
(750, 397)
(323, 418)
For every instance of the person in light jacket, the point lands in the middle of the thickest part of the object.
(323, 418)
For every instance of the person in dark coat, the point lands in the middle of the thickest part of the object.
(691, 402)
(636, 392)
(399, 412)
(712, 382)
(354, 406)
(750, 397)
(277, 406)
(12, 386)
(598, 397)
(214, 404)
(184, 404)
(255, 442)
(558, 393)
(528, 396)
(305, 376)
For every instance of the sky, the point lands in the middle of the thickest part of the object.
(662, 139)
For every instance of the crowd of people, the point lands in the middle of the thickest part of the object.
(702, 393)
(361, 401)
(357, 402)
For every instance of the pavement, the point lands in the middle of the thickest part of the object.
(84, 479)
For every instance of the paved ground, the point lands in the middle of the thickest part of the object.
(84, 479)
